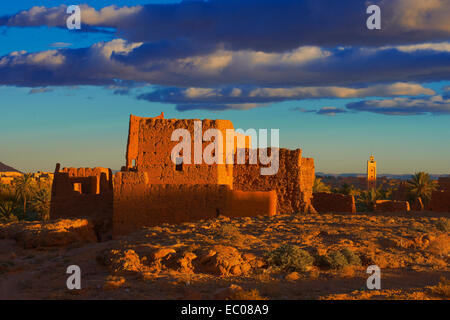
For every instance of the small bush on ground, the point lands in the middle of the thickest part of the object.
(352, 258)
(333, 260)
(228, 231)
(442, 288)
(290, 258)
(338, 260)
(443, 225)
(247, 295)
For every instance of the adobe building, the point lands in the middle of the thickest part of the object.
(151, 189)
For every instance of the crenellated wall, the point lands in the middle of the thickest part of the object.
(83, 192)
(150, 147)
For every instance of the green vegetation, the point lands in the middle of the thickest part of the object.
(290, 258)
(319, 186)
(421, 186)
(24, 189)
(348, 189)
(352, 258)
(367, 200)
(41, 204)
(25, 199)
(338, 260)
(385, 194)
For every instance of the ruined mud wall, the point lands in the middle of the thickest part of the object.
(133, 138)
(293, 183)
(307, 177)
(392, 206)
(440, 201)
(138, 203)
(401, 193)
(83, 192)
(325, 202)
(150, 146)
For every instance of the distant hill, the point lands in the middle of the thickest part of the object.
(5, 168)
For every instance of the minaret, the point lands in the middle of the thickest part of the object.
(371, 173)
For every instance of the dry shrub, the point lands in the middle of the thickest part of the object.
(333, 260)
(230, 233)
(440, 246)
(352, 258)
(443, 224)
(442, 288)
(339, 260)
(290, 258)
(113, 282)
(247, 295)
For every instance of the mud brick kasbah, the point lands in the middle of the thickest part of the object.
(150, 189)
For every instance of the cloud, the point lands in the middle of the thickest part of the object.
(260, 25)
(442, 46)
(436, 105)
(330, 111)
(325, 111)
(236, 54)
(124, 87)
(111, 16)
(305, 66)
(446, 92)
(254, 96)
(66, 67)
(40, 90)
(60, 45)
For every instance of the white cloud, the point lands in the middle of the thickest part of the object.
(436, 105)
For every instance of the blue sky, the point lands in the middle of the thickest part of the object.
(336, 93)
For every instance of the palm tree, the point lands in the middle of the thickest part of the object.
(41, 203)
(319, 186)
(24, 189)
(369, 199)
(7, 211)
(421, 186)
(348, 189)
(385, 194)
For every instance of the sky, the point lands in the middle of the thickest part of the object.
(310, 68)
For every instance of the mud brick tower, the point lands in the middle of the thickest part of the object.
(371, 173)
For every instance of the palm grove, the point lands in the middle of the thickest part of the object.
(25, 199)
(420, 188)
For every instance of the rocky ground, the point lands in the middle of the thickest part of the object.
(319, 256)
